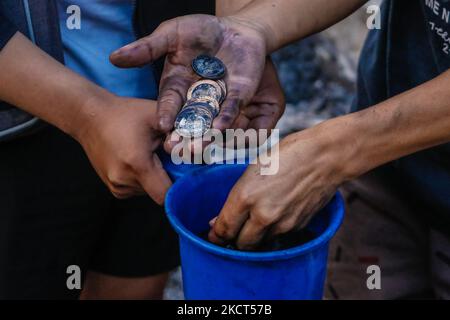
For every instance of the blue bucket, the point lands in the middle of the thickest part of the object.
(216, 273)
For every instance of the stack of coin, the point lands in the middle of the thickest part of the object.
(203, 98)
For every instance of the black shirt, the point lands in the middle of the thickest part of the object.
(412, 47)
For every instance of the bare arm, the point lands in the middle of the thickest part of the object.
(38, 84)
(116, 133)
(241, 40)
(413, 121)
(285, 21)
(229, 7)
(314, 162)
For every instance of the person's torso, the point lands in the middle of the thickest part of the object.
(412, 47)
(90, 31)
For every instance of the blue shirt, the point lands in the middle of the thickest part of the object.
(412, 47)
(104, 27)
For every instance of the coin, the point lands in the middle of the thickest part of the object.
(206, 88)
(209, 67)
(223, 86)
(193, 121)
(206, 102)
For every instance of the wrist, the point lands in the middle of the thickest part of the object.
(255, 29)
(90, 113)
(347, 142)
(338, 149)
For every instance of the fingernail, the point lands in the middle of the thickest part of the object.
(213, 222)
(165, 125)
(212, 237)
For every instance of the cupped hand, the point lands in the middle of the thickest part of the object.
(267, 105)
(121, 142)
(262, 112)
(239, 44)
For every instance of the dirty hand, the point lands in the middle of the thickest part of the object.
(120, 142)
(261, 207)
(240, 44)
(263, 112)
(267, 105)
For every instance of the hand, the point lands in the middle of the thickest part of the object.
(120, 142)
(267, 105)
(261, 207)
(238, 43)
(263, 111)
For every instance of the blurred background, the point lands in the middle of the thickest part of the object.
(318, 75)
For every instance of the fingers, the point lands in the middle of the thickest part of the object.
(231, 219)
(241, 91)
(263, 123)
(123, 193)
(194, 148)
(147, 49)
(251, 235)
(171, 141)
(269, 104)
(121, 187)
(263, 116)
(241, 122)
(213, 222)
(173, 89)
(291, 222)
(154, 180)
(229, 112)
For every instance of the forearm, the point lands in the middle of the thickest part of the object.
(38, 84)
(229, 7)
(413, 121)
(285, 21)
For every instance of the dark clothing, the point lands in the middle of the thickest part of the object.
(54, 210)
(7, 30)
(412, 47)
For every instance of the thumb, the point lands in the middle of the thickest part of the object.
(147, 49)
(154, 180)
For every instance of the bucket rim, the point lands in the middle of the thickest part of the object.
(337, 217)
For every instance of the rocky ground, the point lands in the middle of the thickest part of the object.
(318, 75)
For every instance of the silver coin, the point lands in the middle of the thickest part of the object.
(209, 67)
(223, 87)
(205, 102)
(193, 121)
(206, 88)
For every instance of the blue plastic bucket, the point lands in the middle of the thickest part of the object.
(213, 272)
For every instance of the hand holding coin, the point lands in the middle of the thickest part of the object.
(199, 47)
(203, 98)
(209, 67)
